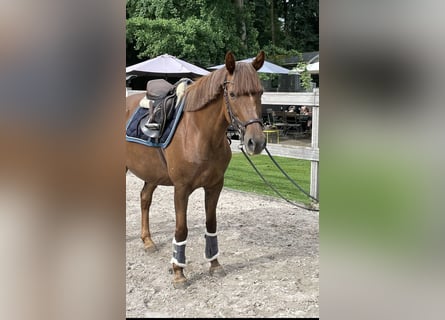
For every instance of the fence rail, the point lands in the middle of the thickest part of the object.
(307, 99)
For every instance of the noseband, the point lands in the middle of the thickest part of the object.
(235, 121)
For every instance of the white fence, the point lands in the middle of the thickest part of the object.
(310, 99)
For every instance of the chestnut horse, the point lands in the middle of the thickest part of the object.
(199, 152)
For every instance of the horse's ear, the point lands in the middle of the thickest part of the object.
(259, 60)
(230, 62)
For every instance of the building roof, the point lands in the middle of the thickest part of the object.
(308, 57)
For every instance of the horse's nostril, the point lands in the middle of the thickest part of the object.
(251, 144)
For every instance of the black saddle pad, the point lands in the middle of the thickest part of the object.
(134, 133)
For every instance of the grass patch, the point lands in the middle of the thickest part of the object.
(241, 176)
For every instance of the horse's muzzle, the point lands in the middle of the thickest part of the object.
(254, 142)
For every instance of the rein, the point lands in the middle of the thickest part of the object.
(314, 205)
(234, 121)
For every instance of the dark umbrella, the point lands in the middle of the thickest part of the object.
(166, 65)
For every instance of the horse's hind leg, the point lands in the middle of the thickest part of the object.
(211, 250)
(146, 197)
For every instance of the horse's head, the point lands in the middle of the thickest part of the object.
(242, 94)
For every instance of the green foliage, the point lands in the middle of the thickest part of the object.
(202, 31)
(184, 40)
(267, 76)
(276, 54)
(300, 29)
(294, 24)
(241, 176)
(198, 31)
(305, 76)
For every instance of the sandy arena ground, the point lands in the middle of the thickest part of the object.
(268, 248)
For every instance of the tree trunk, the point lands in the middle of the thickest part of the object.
(272, 21)
(243, 35)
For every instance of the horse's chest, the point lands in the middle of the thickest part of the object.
(199, 173)
(199, 166)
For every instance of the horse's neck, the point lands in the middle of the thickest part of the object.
(210, 121)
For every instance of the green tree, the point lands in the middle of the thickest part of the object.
(202, 31)
(300, 24)
(198, 31)
(287, 24)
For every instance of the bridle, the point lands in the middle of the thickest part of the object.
(234, 121)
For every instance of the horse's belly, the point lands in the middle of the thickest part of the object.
(147, 164)
(152, 177)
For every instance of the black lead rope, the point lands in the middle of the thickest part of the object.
(289, 178)
(241, 127)
(272, 187)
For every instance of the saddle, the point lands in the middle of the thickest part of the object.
(161, 100)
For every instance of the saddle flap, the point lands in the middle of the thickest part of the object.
(158, 89)
(163, 102)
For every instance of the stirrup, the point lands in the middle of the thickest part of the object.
(153, 126)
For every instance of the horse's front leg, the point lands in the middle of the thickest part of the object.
(146, 198)
(211, 249)
(178, 260)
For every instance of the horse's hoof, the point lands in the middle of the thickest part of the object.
(150, 247)
(180, 283)
(217, 271)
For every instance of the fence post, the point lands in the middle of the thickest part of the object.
(314, 144)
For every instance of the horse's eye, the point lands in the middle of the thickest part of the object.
(232, 95)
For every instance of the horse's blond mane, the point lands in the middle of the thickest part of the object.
(208, 88)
